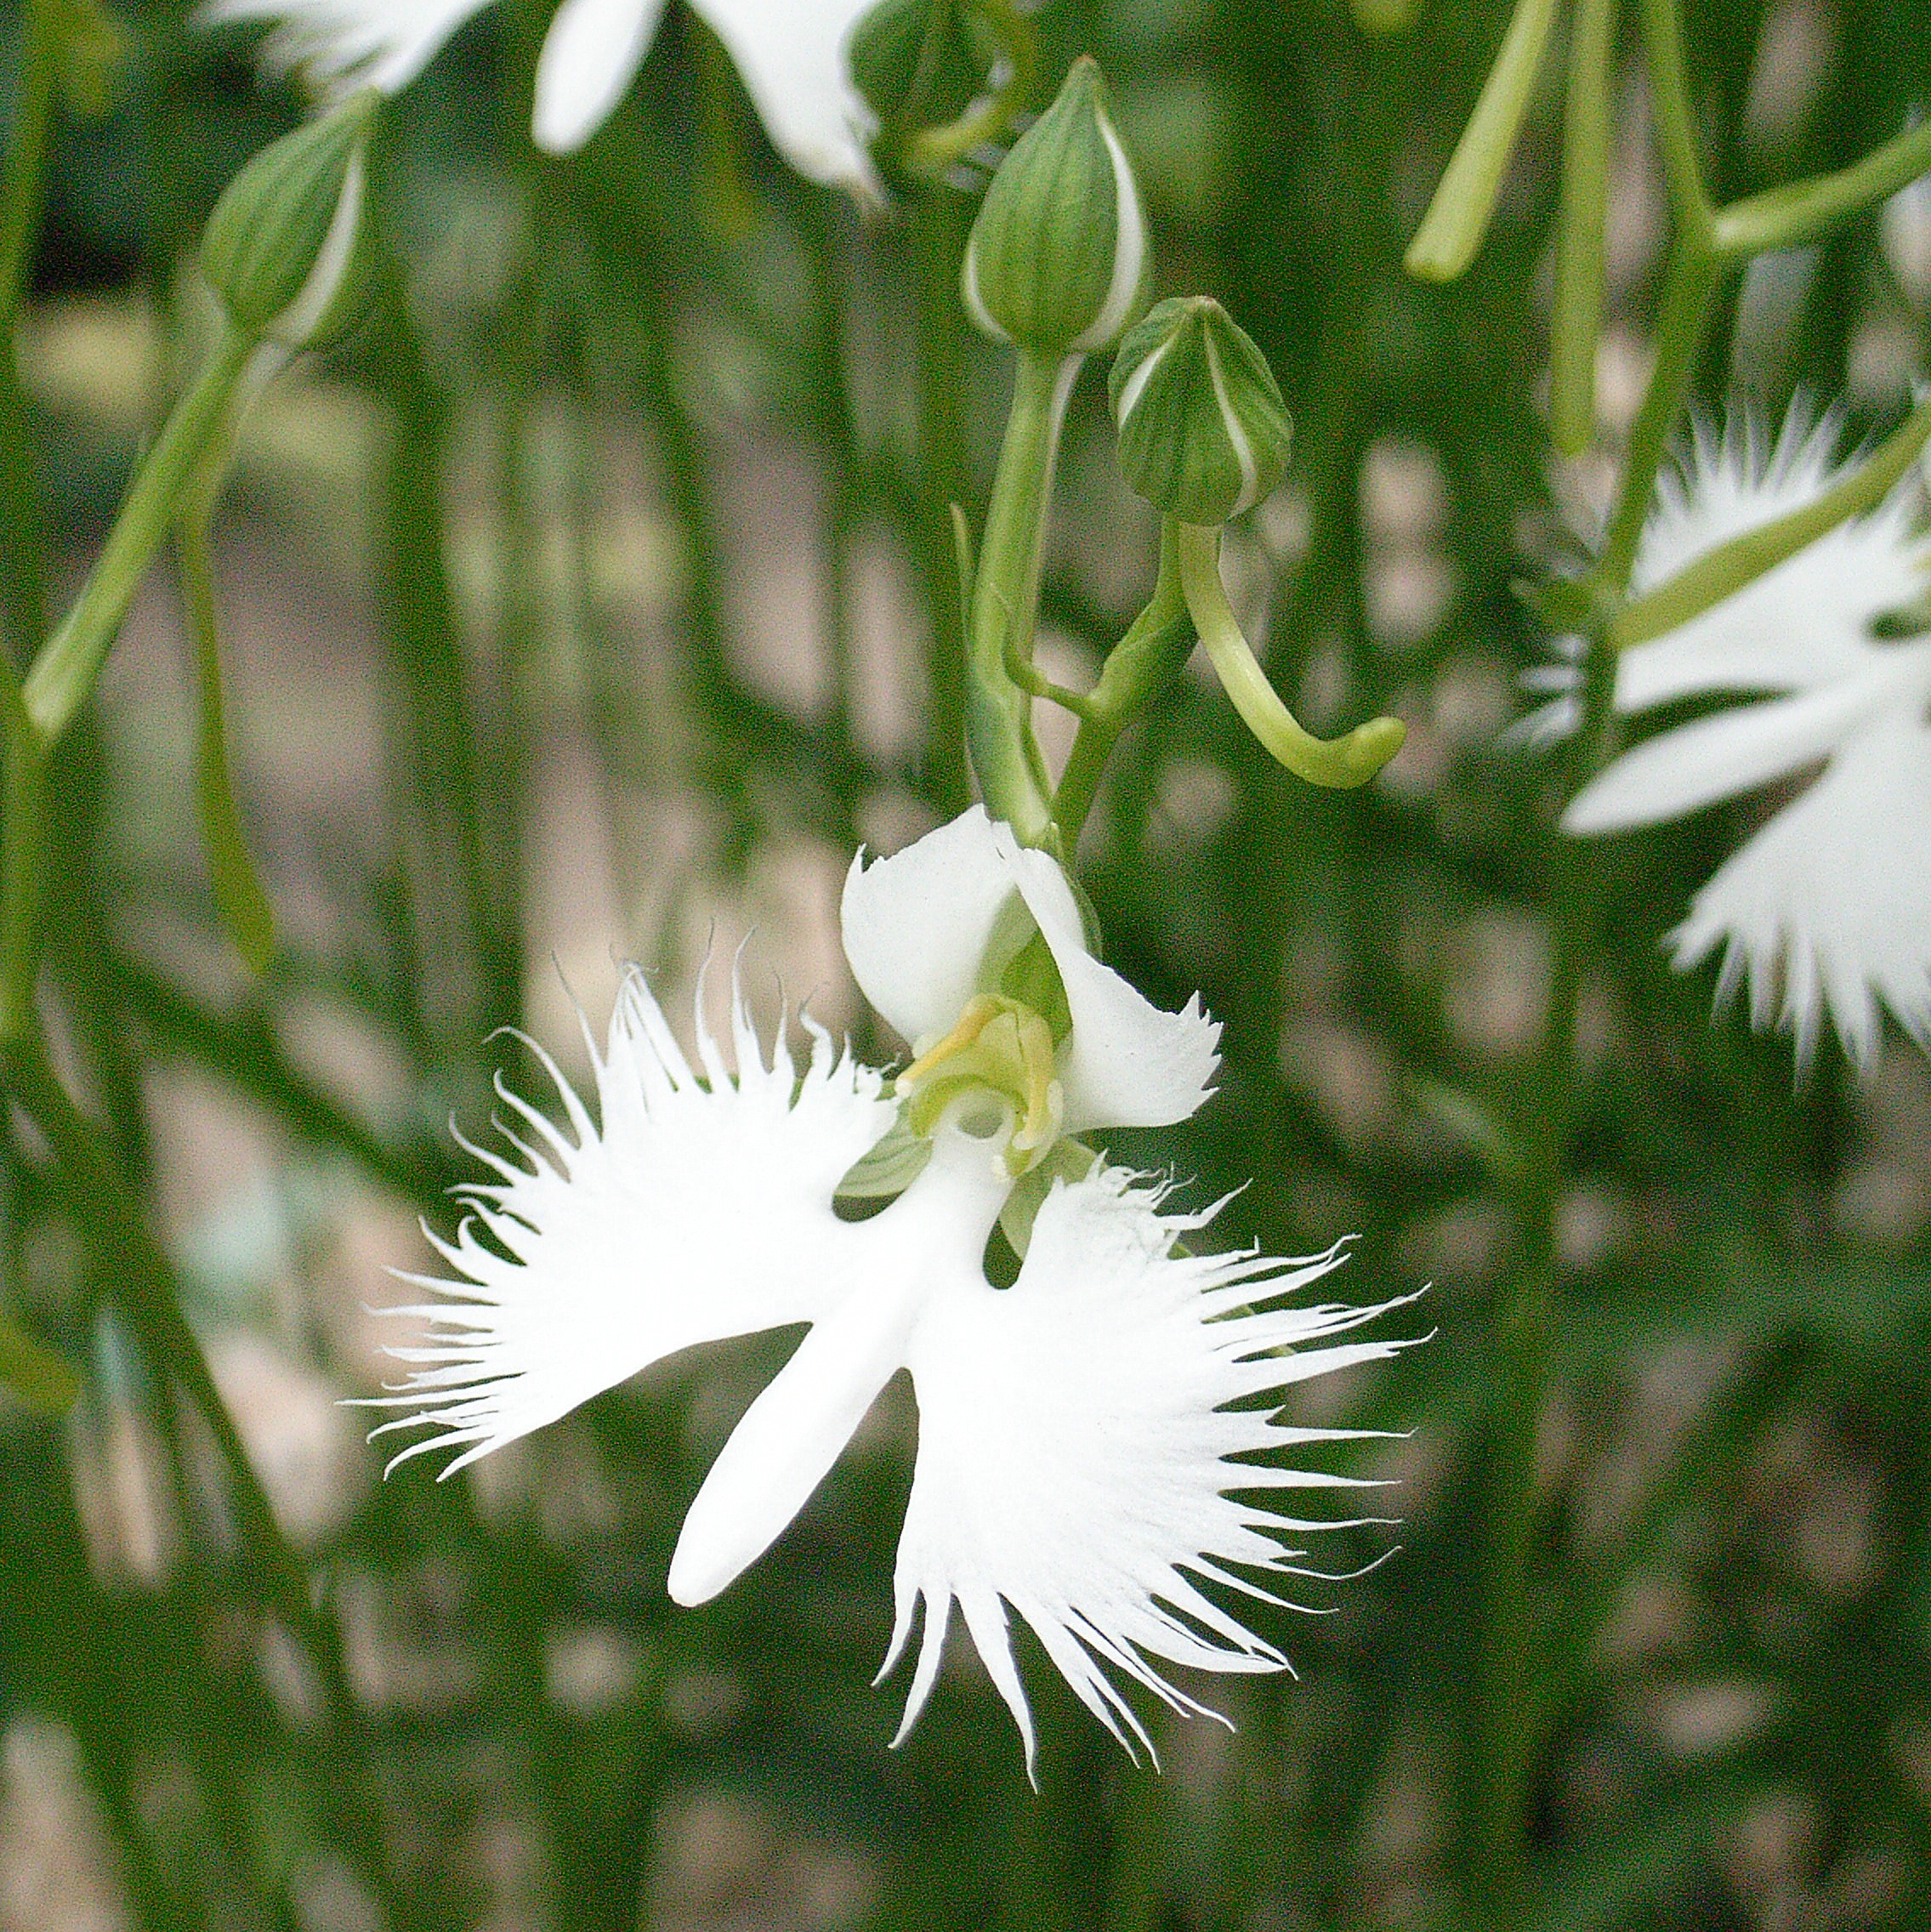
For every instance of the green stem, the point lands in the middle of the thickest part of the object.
(1682, 317)
(1577, 319)
(65, 670)
(238, 894)
(24, 188)
(22, 198)
(1801, 211)
(1458, 216)
(1137, 670)
(938, 237)
(22, 858)
(839, 437)
(1676, 125)
(1005, 600)
(1339, 764)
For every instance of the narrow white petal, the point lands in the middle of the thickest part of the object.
(916, 925)
(792, 54)
(1075, 1455)
(692, 1214)
(1834, 896)
(590, 55)
(1128, 1064)
(793, 1433)
(1731, 752)
(790, 1436)
(382, 43)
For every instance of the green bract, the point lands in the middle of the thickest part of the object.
(917, 62)
(1055, 257)
(281, 247)
(1203, 432)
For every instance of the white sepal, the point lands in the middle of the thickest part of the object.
(1077, 1459)
(700, 1209)
(916, 928)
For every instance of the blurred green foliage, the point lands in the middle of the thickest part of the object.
(1732, 1579)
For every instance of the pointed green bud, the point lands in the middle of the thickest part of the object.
(1056, 256)
(285, 248)
(918, 63)
(1203, 431)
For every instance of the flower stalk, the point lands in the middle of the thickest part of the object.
(1577, 319)
(1005, 608)
(1338, 763)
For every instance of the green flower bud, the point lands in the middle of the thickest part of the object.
(918, 63)
(1203, 431)
(284, 246)
(1056, 256)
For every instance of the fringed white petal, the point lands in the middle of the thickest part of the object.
(792, 54)
(590, 56)
(1078, 1461)
(1733, 750)
(1803, 624)
(700, 1209)
(344, 43)
(1832, 899)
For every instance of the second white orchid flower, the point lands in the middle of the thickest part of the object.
(1086, 1442)
(1827, 906)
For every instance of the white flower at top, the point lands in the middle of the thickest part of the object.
(1828, 905)
(791, 54)
(1079, 1457)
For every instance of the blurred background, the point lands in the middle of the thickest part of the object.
(582, 608)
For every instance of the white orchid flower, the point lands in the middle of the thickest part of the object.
(1829, 904)
(791, 54)
(1079, 1458)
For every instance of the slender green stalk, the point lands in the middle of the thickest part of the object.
(1801, 211)
(1458, 216)
(938, 240)
(23, 834)
(238, 894)
(1676, 124)
(1577, 319)
(1683, 315)
(64, 673)
(1339, 762)
(24, 186)
(22, 196)
(1136, 669)
(838, 436)
(1005, 601)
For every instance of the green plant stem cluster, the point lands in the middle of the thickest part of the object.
(1708, 242)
